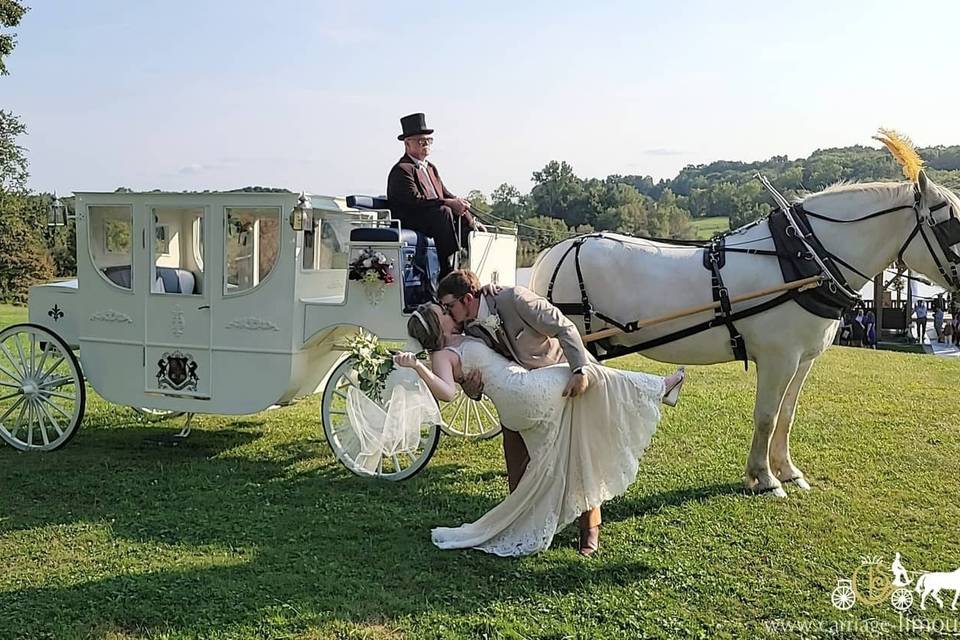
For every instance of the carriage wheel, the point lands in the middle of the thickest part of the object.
(42, 395)
(345, 444)
(469, 418)
(901, 599)
(155, 415)
(843, 597)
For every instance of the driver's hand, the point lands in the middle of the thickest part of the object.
(472, 385)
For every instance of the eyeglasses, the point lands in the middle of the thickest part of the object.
(448, 306)
(424, 142)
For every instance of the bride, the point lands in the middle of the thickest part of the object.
(583, 450)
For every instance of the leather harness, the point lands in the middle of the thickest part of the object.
(800, 255)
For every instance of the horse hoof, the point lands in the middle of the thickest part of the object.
(775, 492)
(800, 483)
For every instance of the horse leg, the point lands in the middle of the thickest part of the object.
(773, 377)
(780, 458)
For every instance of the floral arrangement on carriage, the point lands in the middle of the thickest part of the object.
(374, 271)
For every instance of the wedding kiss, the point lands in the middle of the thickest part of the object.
(530, 361)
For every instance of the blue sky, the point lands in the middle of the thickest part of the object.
(307, 95)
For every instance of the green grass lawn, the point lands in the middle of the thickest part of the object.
(251, 530)
(706, 228)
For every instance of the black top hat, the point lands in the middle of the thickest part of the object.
(413, 125)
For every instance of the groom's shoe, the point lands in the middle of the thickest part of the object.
(589, 541)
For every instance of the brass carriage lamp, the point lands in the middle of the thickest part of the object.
(301, 218)
(56, 213)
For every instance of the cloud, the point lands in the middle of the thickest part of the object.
(660, 151)
(197, 168)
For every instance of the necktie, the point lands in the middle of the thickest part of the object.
(428, 188)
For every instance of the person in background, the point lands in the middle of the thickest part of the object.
(870, 322)
(920, 318)
(938, 322)
(858, 329)
(956, 329)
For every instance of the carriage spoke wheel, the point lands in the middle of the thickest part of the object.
(155, 415)
(469, 418)
(42, 395)
(843, 597)
(347, 446)
(901, 599)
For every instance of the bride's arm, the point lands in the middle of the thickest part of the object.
(440, 379)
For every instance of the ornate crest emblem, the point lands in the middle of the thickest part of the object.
(56, 312)
(178, 371)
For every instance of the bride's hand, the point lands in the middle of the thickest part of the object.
(406, 360)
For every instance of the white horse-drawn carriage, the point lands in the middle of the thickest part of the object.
(224, 303)
(231, 302)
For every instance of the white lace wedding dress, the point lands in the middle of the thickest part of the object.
(583, 450)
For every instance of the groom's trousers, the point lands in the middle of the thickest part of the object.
(516, 456)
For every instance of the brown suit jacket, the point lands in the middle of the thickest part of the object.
(533, 332)
(408, 195)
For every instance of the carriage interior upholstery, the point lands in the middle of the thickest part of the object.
(169, 280)
(421, 266)
(177, 247)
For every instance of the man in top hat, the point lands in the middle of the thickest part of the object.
(419, 199)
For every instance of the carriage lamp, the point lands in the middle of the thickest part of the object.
(301, 218)
(56, 213)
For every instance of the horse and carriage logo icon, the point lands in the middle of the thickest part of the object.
(873, 583)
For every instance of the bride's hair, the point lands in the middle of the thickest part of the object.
(429, 333)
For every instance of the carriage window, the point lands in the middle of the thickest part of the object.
(175, 269)
(252, 246)
(325, 246)
(110, 232)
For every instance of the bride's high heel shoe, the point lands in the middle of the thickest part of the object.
(672, 395)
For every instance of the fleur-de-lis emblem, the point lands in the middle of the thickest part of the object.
(56, 313)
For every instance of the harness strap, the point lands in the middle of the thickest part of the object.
(584, 300)
(713, 256)
(615, 351)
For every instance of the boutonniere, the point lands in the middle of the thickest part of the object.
(491, 323)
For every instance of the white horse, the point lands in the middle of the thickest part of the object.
(930, 584)
(629, 279)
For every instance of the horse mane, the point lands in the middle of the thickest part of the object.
(896, 191)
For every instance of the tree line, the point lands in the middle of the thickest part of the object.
(561, 204)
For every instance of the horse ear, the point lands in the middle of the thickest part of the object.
(922, 181)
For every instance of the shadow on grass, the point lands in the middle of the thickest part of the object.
(322, 543)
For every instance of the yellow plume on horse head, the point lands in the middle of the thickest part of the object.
(903, 150)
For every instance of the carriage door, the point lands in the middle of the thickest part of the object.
(177, 346)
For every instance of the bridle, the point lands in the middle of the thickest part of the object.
(946, 233)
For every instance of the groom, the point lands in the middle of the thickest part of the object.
(524, 327)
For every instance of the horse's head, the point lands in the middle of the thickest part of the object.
(933, 249)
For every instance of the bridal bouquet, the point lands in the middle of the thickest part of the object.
(373, 362)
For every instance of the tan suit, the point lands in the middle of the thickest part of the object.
(535, 334)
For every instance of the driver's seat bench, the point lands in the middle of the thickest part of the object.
(421, 266)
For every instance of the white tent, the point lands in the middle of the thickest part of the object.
(919, 290)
